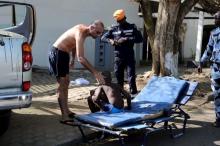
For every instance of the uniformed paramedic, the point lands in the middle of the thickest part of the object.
(123, 36)
(212, 53)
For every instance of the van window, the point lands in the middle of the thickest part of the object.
(11, 15)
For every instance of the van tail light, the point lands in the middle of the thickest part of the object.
(26, 86)
(27, 58)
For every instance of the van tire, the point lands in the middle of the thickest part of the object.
(5, 116)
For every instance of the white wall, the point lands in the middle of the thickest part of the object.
(56, 16)
(191, 34)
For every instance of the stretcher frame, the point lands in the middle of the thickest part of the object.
(164, 122)
(147, 126)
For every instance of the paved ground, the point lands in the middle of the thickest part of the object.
(39, 125)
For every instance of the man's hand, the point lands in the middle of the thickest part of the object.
(99, 77)
(71, 64)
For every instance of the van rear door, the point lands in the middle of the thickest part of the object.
(10, 61)
(17, 26)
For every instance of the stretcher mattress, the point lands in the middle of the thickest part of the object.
(158, 95)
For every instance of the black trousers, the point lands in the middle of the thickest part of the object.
(127, 64)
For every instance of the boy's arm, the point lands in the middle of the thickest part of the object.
(128, 97)
(96, 94)
(97, 97)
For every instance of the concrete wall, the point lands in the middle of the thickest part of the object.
(56, 16)
(189, 46)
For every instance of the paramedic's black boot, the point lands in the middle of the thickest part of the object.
(133, 93)
(217, 123)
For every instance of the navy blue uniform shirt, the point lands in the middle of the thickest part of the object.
(125, 30)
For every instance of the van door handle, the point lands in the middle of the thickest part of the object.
(2, 43)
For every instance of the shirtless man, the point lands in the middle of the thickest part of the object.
(108, 97)
(71, 43)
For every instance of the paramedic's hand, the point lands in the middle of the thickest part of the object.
(122, 40)
(99, 77)
(71, 64)
(112, 42)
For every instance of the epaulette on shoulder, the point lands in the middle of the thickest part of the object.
(114, 25)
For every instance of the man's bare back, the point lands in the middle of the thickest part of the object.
(67, 41)
(72, 42)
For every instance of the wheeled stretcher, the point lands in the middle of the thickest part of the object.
(155, 108)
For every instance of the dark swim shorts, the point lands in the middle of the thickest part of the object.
(58, 62)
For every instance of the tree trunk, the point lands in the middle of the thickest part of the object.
(165, 41)
(165, 59)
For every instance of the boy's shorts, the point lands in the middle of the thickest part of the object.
(111, 109)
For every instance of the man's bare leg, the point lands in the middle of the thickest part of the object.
(67, 81)
(63, 97)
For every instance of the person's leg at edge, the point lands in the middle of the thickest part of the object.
(216, 90)
(217, 111)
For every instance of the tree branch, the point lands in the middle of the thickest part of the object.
(148, 19)
(210, 6)
(186, 6)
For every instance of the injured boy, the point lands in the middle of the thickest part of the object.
(108, 97)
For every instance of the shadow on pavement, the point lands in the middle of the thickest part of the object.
(202, 135)
(39, 125)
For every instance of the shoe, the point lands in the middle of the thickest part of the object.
(134, 94)
(69, 121)
(217, 123)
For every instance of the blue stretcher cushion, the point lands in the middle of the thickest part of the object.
(158, 95)
(162, 89)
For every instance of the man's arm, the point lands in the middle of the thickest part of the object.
(108, 37)
(80, 57)
(73, 57)
(207, 54)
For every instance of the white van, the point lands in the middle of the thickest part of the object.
(17, 31)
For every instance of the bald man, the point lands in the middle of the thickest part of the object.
(71, 43)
